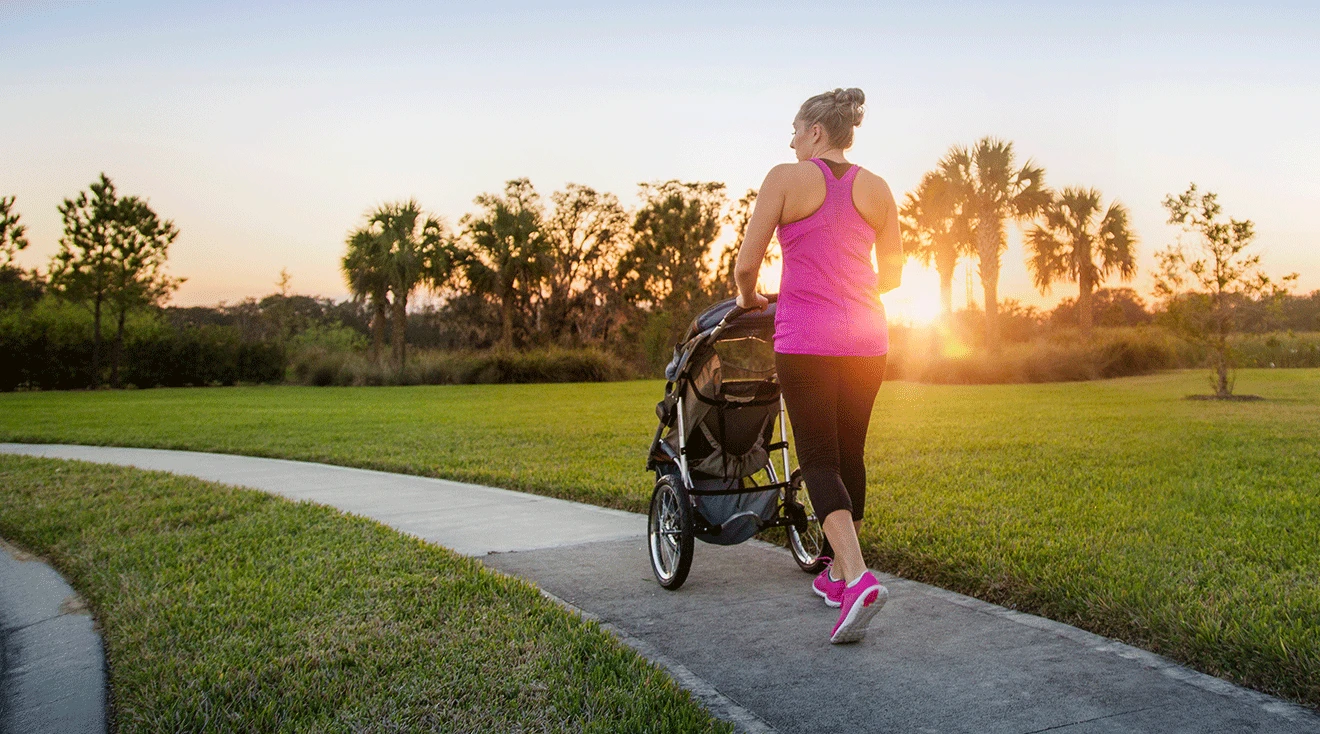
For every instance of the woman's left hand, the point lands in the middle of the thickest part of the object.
(756, 303)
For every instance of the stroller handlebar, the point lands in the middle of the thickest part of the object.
(737, 311)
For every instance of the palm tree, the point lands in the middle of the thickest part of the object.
(419, 254)
(365, 269)
(994, 192)
(935, 231)
(509, 256)
(1079, 242)
(399, 249)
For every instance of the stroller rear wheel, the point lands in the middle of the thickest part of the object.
(809, 545)
(669, 532)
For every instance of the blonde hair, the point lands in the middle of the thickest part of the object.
(838, 112)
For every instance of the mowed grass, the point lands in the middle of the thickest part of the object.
(1189, 528)
(231, 610)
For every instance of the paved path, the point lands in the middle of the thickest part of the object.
(748, 637)
(52, 669)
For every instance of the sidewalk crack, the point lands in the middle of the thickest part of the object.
(1087, 721)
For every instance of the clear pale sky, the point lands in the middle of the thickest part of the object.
(265, 130)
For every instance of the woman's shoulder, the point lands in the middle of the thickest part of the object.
(786, 172)
(871, 184)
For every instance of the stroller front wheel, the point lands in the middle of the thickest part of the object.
(669, 532)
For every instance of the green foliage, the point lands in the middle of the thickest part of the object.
(20, 289)
(1203, 290)
(1060, 357)
(227, 609)
(508, 254)
(112, 255)
(667, 267)
(1109, 307)
(399, 249)
(49, 347)
(584, 236)
(328, 337)
(1077, 242)
(724, 285)
(325, 367)
(12, 234)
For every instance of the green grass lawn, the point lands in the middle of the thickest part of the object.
(1188, 528)
(232, 610)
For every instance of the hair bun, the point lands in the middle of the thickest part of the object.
(851, 99)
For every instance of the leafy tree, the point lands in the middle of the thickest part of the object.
(584, 236)
(668, 266)
(112, 255)
(934, 229)
(508, 256)
(1080, 242)
(666, 275)
(994, 191)
(12, 234)
(17, 287)
(1110, 306)
(1204, 289)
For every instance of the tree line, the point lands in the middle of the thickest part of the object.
(578, 269)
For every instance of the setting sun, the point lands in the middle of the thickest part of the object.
(917, 301)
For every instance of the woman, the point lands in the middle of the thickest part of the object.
(830, 334)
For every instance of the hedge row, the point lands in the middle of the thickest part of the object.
(49, 347)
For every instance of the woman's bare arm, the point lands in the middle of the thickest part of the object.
(765, 217)
(888, 244)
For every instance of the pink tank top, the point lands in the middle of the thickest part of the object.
(829, 301)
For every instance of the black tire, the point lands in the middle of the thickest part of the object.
(810, 547)
(669, 532)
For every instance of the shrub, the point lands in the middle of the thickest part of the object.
(49, 347)
(325, 367)
(925, 356)
(1277, 350)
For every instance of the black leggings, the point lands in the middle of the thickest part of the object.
(829, 404)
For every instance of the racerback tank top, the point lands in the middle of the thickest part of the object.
(829, 301)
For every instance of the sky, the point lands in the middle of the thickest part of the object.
(266, 130)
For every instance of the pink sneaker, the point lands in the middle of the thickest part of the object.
(860, 602)
(827, 588)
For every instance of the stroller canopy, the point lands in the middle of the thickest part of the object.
(757, 324)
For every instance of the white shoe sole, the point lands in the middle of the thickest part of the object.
(828, 601)
(853, 627)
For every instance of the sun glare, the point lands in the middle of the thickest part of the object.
(917, 301)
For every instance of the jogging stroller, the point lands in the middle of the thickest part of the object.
(715, 479)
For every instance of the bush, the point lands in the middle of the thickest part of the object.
(329, 337)
(926, 356)
(325, 367)
(1277, 350)
(49, 347)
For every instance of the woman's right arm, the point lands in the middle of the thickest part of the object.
(888, 241)
(765, 217)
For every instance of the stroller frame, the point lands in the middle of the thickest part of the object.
(674, 519)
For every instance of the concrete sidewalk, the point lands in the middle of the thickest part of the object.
(750, 639)
(52, 668)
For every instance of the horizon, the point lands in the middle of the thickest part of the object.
(266, 131)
